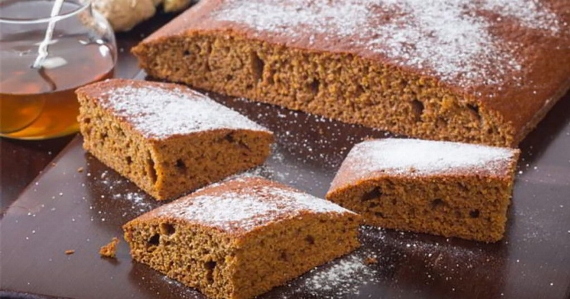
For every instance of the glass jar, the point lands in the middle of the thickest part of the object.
(40, 103)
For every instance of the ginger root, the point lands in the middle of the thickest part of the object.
(175, 5)
(125, 14)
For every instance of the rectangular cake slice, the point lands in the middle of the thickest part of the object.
(443, 188)
(240, 238)
(167, 138)
(461, 70)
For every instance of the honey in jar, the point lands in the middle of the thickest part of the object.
(39, 103)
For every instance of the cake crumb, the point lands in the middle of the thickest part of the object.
(53, 164)
(110, 249)
(80, 169)
(69, 251)
(370, 260)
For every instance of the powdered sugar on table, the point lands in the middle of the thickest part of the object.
(161, 113)
(449, 39)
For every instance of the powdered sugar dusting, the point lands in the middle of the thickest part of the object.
(247, 206)
(530, 13)
(160, 113)
(441, 36)
(343, 278)
(421, 157)
(277, 16)
(117, 190)
(450, 39)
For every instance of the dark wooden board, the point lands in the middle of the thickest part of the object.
(68, 209)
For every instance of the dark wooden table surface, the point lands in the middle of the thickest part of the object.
(64, 208)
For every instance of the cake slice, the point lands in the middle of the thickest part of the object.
(461, 70)
(443, 188)
(240, 238)
(167, 138)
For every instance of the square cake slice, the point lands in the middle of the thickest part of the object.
(167, 138)
(443, 188)
(240, 238)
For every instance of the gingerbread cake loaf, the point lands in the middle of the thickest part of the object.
(242, 237)
(472, 71)
(167, 138)
(438, 187)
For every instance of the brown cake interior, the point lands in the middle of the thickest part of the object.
(376, 95)
(447, 206)
(223, 265)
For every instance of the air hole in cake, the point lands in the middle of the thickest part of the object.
(474, 214)
(167, 229)
(153, 241)
(103, 136)
(315, 86)
(257, 65)
(129, 160)
(122, 134)
(243, 145)
(270, 79)
(417, 109)
(379, 214)
(210, 266)
(186, 53)
(181, 166)
(474, 111)
(229, 77)
(373, 204)
(359, 90)
(150, 170)
(284, 256)
(436, 203)
(310, 239)
(373, 194)
(87, 120)
(229, 137)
